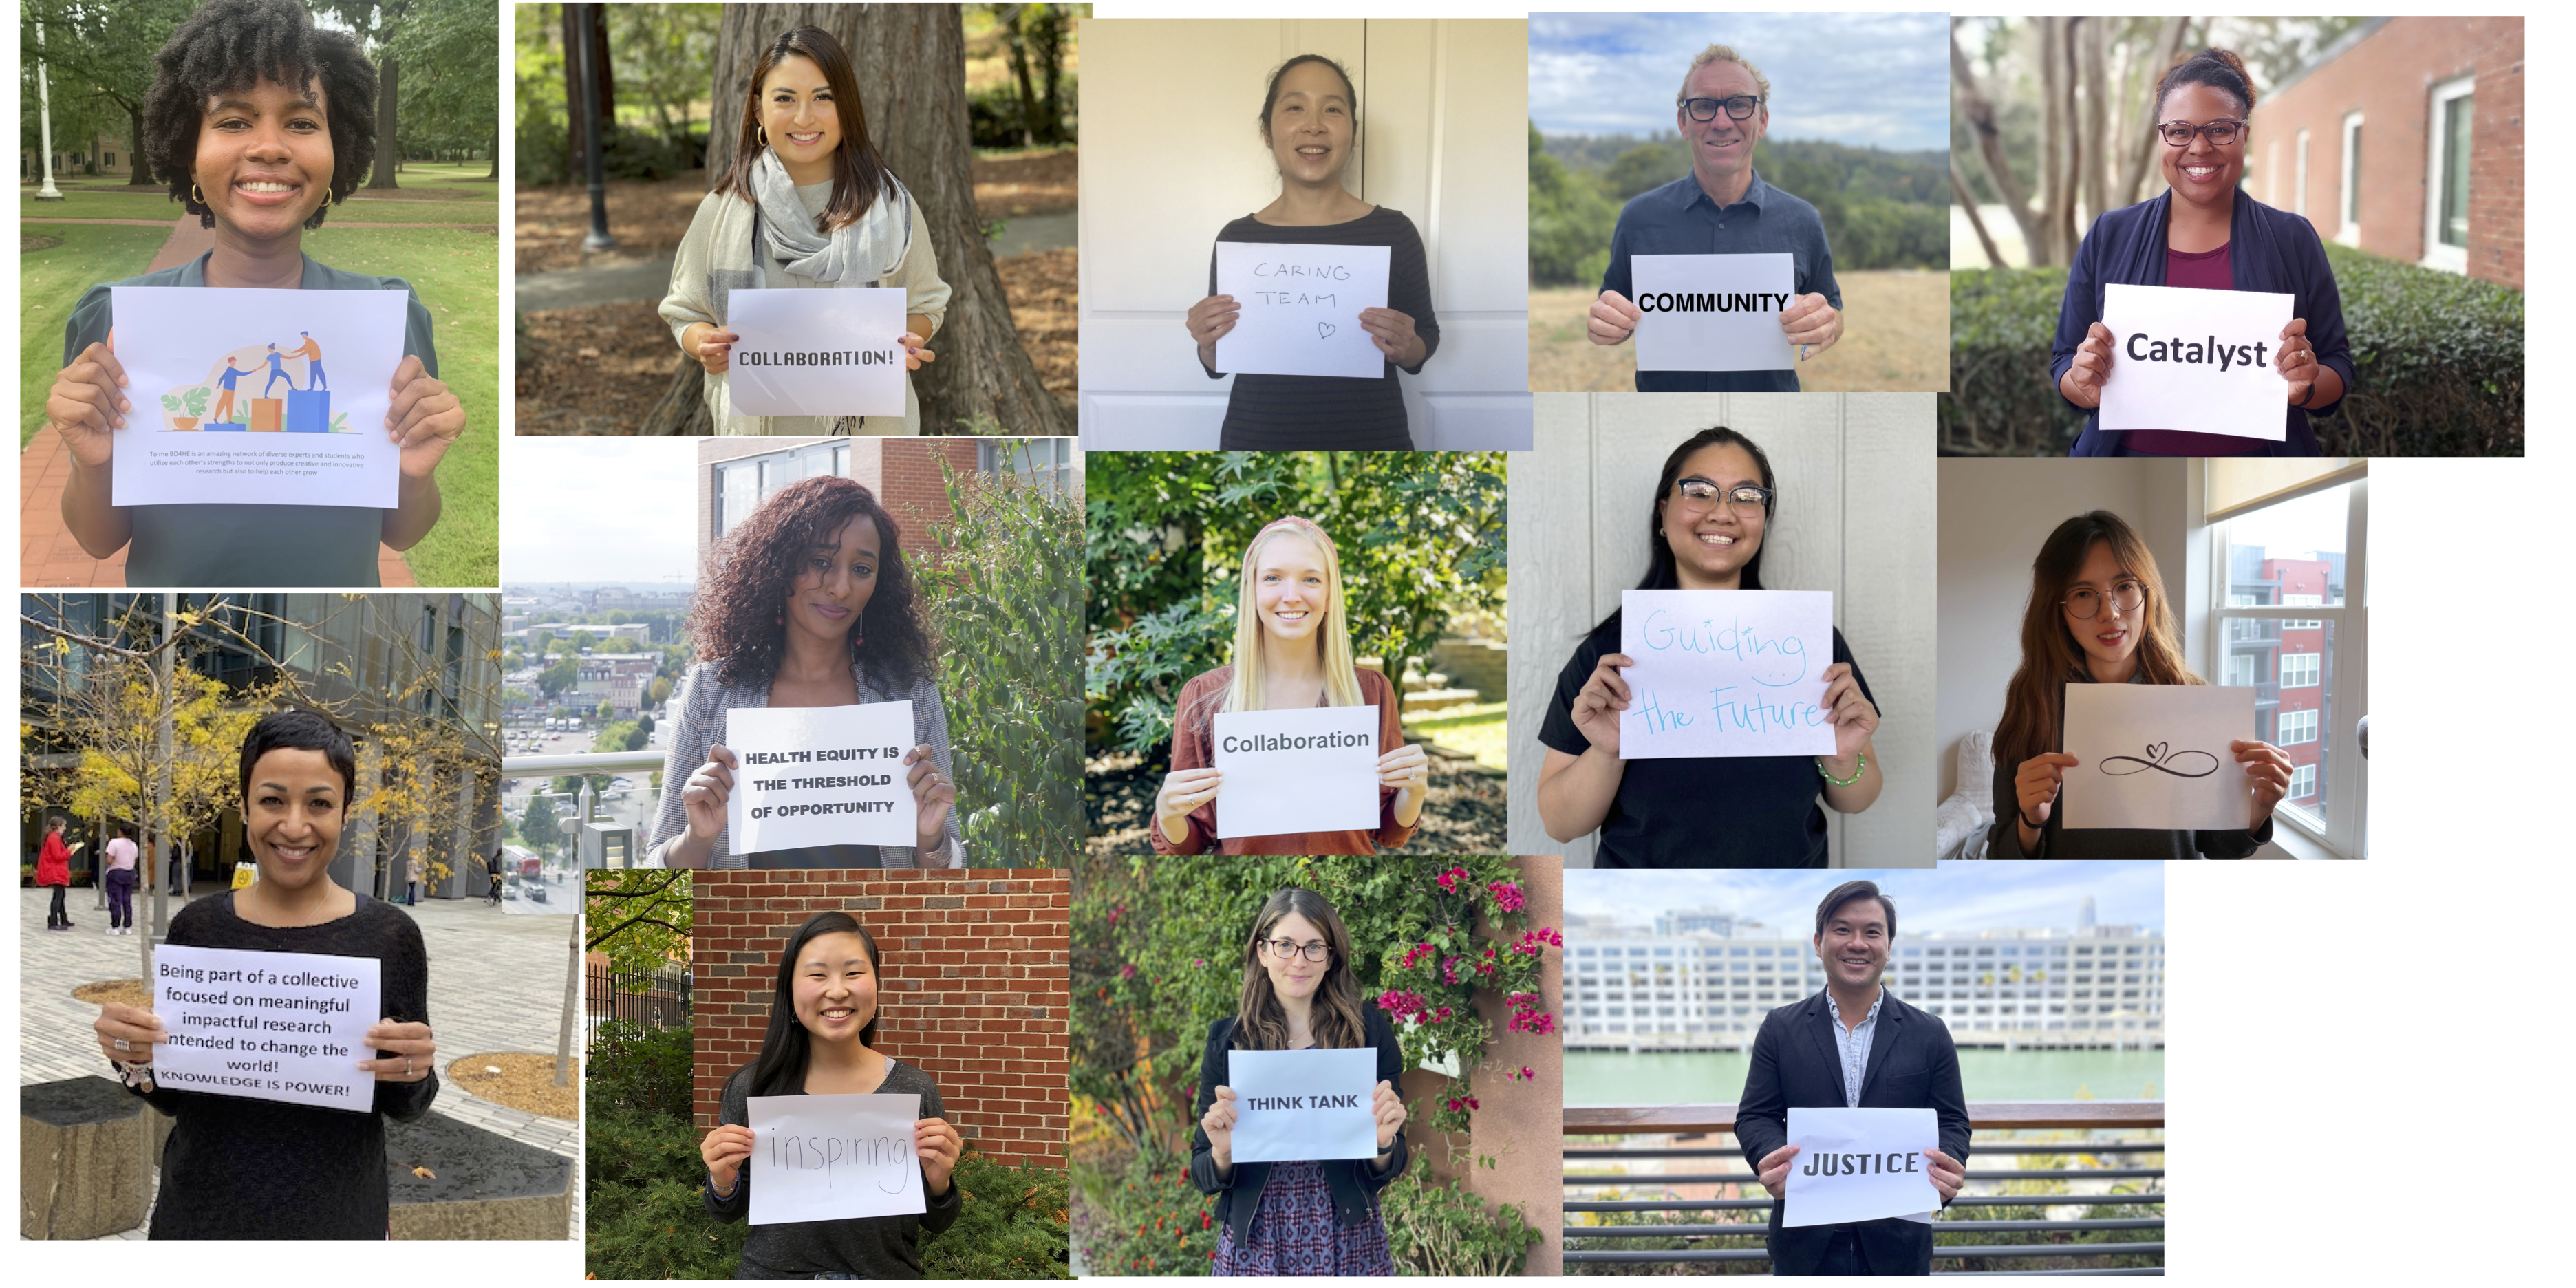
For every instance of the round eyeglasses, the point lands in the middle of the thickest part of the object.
(1744, 499)
(2221, 132)
(1741, 107)
(1284, 949)
(2086, 603)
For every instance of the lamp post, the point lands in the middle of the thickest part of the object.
(592, 31)
(45, 122)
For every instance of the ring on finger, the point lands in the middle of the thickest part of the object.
(123, 1045)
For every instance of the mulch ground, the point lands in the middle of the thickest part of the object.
(31, 242)
(128, 991)
(1465, 814)
(1037, 183)
(524, 1081)
(1044, 288)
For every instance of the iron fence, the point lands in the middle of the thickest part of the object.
(655, 999)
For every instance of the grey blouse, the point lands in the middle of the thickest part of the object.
(701, 705)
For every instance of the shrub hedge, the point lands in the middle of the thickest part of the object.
(2438, 359)
(641, 1068)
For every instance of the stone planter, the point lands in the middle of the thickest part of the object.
(488, 1186)
(86, 1151)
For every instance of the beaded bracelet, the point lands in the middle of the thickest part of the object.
(1843, 782)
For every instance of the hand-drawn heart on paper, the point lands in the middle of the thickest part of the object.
(2161, 758)
(1324, 330)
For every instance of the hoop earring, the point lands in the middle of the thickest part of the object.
(195, 195)
(763, 130)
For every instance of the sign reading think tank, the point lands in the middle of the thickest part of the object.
(2195, 360)
(1292, 1106)
(817, 352)
(1714, 312)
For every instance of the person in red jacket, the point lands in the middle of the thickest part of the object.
(54, 868)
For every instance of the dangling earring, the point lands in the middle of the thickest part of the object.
(195, 195)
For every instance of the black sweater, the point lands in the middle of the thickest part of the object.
(870, 1247)
(1354, 1181)
(1337, 413)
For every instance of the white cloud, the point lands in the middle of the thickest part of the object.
(1866, 79)
(599, 509)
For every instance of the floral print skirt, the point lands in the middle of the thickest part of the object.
(1295, 1232)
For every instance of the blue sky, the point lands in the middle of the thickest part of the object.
(1866, 79)
(1957, 897)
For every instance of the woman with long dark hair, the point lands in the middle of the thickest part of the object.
(807, 205)
(2098, 615)
(1301, 1218)
(821, 1041)
(808, 603)
(1713, 510)
(2205, 232)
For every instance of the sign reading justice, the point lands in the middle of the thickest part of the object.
(2191, 359)
(1714, 312)
(819, 776)
(817, 352)
(1309, 770)
(826, 1158)
(2156, 756)
(1292, 1106)
(1726, 673)
(1860, 1165)
(268, 1026)
(1300, 309)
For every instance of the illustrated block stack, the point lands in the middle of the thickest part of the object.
(266, 415)
(308, 411)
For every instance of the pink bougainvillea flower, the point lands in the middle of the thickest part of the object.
(1127, 971)
(1507, 896)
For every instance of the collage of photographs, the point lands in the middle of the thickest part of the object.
(1453, 603)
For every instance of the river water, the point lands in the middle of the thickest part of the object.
(1717, 1077)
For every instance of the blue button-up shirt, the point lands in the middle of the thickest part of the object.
(1679, 219)
(1854, 1042)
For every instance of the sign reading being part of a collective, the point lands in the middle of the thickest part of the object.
(258, 397)
(827, 1158)
(1298, 309)
(1860, 1165)
(1292, 1106)
(819, 776)
(1713, 312)
(1308, 770)
(2198, 360)
(269, 1026)
(1725, 673)
(2156, 756)
(816, 352)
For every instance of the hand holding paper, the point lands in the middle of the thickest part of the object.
(1859, 1165)
(1296, 1105)
(825, 1158)
(89, 402)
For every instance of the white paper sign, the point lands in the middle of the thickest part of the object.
(2156, 756)
(2191, 359)
(235, 401)
(1309, 770)
(1726, 673)
(1293, 1106)
(816, 352)
(820, 776)
(1860, 1165)
(1300, 309)
(268, 1026)
(1714, 312)
(828, 1158)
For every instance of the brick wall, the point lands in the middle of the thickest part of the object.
(902, 472)
(973, 990)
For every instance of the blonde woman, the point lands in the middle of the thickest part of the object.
(2098, 615)
(1292, 649)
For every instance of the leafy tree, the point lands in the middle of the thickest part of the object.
(378, 21)
(606, 712)
(659, 692)
(644, 724)
(640, 917)
(451, 112)
(562, 675)
(538, 827)
(661, 53)
(101, 50)
(1570, 222)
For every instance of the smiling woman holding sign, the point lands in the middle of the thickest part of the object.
(1300, 1217)
(1310, 123)
(1292, 652)
(808, 205)
(280, 1166)
(1713, 510)
(261, 121)
(2203, 233)
(807, 604)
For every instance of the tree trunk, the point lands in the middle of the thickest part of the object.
(1016, 35)
(137, 164)
(1968, 202)
(2095, 38)
(1979, 112)
(584, 22)
(388, 152)
(1051, 63)
(2142, 156)
(910, 60)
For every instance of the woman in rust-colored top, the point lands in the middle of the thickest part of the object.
(1292, 649)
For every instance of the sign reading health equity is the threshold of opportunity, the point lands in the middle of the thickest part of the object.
(811, 776)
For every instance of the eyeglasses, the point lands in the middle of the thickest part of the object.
(1283, 949)
(1741, 107)
(2221, 132)
(2086, 603)
(1744, 499)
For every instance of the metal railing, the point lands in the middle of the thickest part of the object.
(634, 806)
(1602, 1208)
(659, 999)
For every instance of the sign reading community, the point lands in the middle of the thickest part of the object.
(1726, 673)
(1860, 1165)
(1308, 770)
(817, 353)
(1714, 312)
(826, 1158)
(2183, 358)
(1292, 1106)
(290, 1027)
(1299, 309)
(819, 775)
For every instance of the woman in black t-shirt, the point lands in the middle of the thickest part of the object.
(1713, 507)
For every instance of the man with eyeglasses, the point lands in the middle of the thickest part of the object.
(1722, 208)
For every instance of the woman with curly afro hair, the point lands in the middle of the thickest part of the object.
(807, 604)
(260, 120)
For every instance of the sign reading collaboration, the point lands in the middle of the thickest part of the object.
(779, 368)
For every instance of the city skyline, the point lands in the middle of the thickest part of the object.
(1955, 898)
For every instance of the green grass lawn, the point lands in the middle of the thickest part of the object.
(458, 276)
(49, 283)
(153, 203)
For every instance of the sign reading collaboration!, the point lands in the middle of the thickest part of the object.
(817, 352)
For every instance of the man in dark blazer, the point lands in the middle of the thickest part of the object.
(1851, 1046)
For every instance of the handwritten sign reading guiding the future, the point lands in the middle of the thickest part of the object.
(1726, 673)
(820, 776)
(817, 353)
(1860, 1165)
(1713, 312)
(2197, 360)
(1294, 1106)
(827, 1158)
(234, 401)
(2156, 756)
(268, 1026)
(1300, 309)
(1309, 770)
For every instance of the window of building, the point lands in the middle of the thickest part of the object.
(2299, 194)
(2299, 623)
(2300, 536)
(2303, 782)
(2299, 670)
(2446, 174)
(2297, 727)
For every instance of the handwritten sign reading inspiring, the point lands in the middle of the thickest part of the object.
(267, 1026)
(1726, 673)
(820, 776)
(1309, 770)
(1860, 1165)
(233, 400)
(2191, 359)
(1713, 312)
(2156, 756)
(817, 353)
(1292, 1106)
(827, 1158)
(1300, 309)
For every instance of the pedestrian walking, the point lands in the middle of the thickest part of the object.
(119, 879)
(494, 867)
(411, 895)
(54, 868)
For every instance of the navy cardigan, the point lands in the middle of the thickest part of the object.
(2268, 250)
(1354, 1181)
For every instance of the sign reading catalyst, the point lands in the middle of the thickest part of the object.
(1714, 312)
(817, 352)
(820, 776)
(2199, 360)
